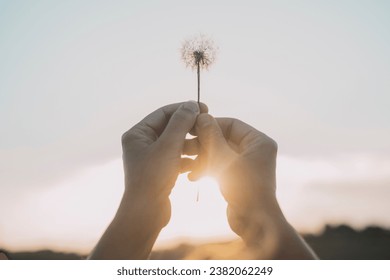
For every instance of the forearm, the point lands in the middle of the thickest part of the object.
(292, 245)
(270, 236)
(131, 234)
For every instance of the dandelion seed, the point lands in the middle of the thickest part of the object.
(198, 53)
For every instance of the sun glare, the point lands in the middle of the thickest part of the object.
(198, 212)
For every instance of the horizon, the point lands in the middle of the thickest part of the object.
(176, 246)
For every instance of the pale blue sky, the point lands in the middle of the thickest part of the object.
(314, 75)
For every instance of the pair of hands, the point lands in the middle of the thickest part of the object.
(241, 158)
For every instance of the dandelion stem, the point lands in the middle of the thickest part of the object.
(198, 66)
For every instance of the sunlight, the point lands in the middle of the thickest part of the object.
(194, 220)
(72, 215)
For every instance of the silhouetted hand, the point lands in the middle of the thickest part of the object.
(244, 161)
(152, 152)
(152, 161)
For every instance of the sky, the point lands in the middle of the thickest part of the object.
(75, 75)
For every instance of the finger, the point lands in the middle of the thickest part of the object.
(198, 168)
(180, 123)
(203, 109)
(237, 132)
(191, 147)
(196, 173)
(210, 135)
(219, 154)
(158, 119)
(194, 176)
(186, 165)
(153, 125)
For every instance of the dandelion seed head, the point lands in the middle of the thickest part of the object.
(200, 49)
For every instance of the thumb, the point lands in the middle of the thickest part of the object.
(215, 152)
(180, 123)
(209, 133)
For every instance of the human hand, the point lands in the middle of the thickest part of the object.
(152, 152)
(243, 160)
(152, 161)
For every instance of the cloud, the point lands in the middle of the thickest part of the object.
(346, 189)
(367, 188)
(28, 167)
(359, 201)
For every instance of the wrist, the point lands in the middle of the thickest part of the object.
(133, 231)
(263, 233)
(263, 216)
(269, 236)
(147, 211)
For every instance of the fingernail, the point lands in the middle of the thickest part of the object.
(191, 105)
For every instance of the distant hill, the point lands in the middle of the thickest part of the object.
(44, 255)
(344, 243)
(334, 243)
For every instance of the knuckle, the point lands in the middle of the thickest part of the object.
(127, 137)
(183, 114)
(270, 145)
(204, 127)
(274, 145)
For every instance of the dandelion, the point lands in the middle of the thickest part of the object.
(198, 53)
